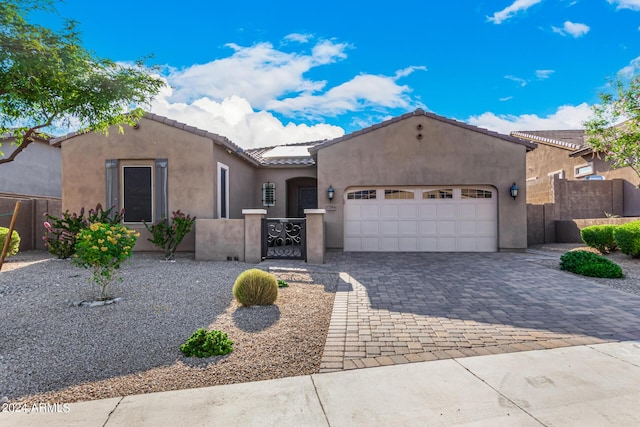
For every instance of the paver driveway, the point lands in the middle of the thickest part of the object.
(398, 308)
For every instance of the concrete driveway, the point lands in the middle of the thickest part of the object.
(411, 307)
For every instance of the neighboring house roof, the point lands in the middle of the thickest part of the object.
(40, 137)
(420, 112)
(566, 139)
(286, 155)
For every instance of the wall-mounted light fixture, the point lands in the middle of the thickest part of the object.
(514, 191)
(330, 193)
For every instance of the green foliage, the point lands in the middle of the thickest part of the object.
(13, 245)
(60, 233)
(590, 264)
(168, 236)
(255, 287)
(282, 284)
(599, 237)
(620, 143)
(103, 247)
(48, 79)
(203, 343)
(627, 237)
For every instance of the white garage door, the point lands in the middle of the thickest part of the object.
(429, 219)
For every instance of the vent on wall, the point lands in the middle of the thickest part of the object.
(268, 194)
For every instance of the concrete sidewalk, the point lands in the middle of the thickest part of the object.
(595, 385)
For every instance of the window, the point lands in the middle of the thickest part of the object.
(362, 195)
(438, 194)
(472, 193)
(223, 190)
(137, 193)
(583, 170)
(268, 194)
(398, 194)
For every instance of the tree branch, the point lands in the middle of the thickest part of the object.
(27, 139)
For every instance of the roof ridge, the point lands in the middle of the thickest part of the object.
(545, 139)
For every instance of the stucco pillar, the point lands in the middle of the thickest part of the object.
(253, 234)
(315, 235)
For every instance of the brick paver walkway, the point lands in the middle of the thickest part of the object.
(399, 308)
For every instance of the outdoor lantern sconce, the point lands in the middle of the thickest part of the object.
(514, 191)
(330, 193)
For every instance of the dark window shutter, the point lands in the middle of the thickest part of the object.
(162, 200)
(112, 184)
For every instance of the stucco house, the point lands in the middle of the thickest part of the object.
(417, 182)
(35, 179)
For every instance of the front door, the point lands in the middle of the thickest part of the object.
(307, 199)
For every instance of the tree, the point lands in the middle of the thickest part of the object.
(614, 129)
(48, 78)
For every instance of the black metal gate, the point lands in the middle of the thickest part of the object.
(284, 238)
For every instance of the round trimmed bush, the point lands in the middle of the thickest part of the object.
(14, 245)
(255, 287)
(589, 264)
(599, 237)
(627, 237)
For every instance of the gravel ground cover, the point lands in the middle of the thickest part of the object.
(53, 351)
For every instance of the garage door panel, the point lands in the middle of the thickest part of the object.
(393, 224)
(389, 227)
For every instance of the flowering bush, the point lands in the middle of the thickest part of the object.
(102, 247)
(60, 233)
(169, 235)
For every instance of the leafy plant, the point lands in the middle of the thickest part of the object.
(282, 284)
(627, 237)
(60, 233)
(203, 343)
(590, 264)
(599, 237)
(103, 247)
(255, 287)
(168, 235)
(13, 245)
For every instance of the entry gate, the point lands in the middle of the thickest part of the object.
(284, 238)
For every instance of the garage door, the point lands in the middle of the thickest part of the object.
(427, 219)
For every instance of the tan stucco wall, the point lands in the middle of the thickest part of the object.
(279, 176)
(220, 239)
(446, 155)
(242, 188)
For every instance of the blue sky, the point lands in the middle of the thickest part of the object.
(270, 72)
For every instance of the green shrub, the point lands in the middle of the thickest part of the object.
(599, 237)
(203, 343)
(590, 264)
(282, 284)
(255, 287)
(60, 233)
(627, 237)
(168, 235)
(13, 245)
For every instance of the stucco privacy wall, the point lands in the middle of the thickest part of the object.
(30, 221)
(447, 154)
(191, 177)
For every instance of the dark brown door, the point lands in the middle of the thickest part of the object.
(307, 199)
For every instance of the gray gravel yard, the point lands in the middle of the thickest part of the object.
(53, 351)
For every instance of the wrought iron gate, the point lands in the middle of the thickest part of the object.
(284, 238)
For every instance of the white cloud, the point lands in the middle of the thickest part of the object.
(573, 29)
(508, 12)
(258, 73)
(506, 98)
(544, 74)
(522, 82)
(565, 117)
(631, 69)
(406, 71)
(297, 37)
(235, 119)
(626, 4)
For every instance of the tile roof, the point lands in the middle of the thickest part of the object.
(570, 139)
(259, 155)
(420, 112)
